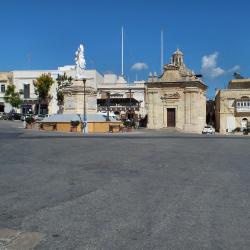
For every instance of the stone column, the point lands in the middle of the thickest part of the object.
(191, 107)
(187, 107)
(150, 109)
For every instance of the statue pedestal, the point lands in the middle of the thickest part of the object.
(74, 99)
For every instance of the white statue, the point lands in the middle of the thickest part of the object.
(80, 62)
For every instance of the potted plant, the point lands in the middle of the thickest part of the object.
(29, 121)
(74, 125)
(127, 126)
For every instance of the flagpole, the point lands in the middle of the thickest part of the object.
(122, 53)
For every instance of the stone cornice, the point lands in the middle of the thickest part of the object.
(181, 84)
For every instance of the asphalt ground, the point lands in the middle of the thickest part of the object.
(142, 190)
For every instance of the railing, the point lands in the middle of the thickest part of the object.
(118, 108)
(245, 109)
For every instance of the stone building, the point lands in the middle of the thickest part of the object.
(5, 80)
(177, 98)
(126, 100)
(232, 106)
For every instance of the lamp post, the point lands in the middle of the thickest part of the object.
(108, 106)
(84, 107)
(130, 104)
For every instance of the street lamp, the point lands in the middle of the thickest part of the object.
(108, 106)
(130, 104)
(85, 129)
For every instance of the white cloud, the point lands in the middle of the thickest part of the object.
(139, 66)
(209, 66)
(234, 69)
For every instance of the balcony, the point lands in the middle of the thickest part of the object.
(242, 107)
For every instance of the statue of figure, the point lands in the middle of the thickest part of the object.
(80, 61)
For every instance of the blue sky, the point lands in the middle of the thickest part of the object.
(44, 34)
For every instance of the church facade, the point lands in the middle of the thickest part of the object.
(177, 98)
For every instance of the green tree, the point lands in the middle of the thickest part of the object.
(63, 82)
(42, 87)
(13, 97)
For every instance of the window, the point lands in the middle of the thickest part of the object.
(2, 88)
(26, 91)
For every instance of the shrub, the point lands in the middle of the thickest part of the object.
(74, 123)
(30, 120)
(129, 124)
(236, 129)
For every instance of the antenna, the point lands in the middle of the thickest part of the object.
(161, 51)
(122, 52)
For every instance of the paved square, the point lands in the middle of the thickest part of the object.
(149, 190)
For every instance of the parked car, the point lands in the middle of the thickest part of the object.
(9, 116)
(2, 115)
(39, 117)
(16, 116)
(208, 130)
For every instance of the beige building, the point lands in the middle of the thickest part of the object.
(177, 98)
(6, 78)
(232, 106)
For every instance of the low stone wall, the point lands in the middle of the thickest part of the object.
(93, 127)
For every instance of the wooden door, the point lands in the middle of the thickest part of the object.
(171, 117)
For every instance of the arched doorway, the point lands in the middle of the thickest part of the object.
(244, 122)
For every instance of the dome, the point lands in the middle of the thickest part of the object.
(178, 52)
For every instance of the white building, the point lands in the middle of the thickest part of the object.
(117, 86)
(24, 80)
